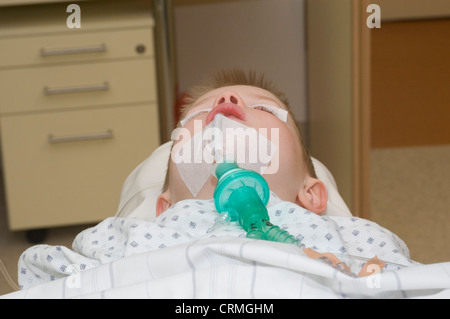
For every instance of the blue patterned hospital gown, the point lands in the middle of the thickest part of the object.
(188, 220)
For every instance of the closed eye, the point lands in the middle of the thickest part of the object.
(276, 111)
(263, 108)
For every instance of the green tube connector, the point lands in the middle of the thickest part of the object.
(243, 195)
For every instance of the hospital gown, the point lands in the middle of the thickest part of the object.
(353, 240)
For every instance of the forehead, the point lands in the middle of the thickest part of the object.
(250, 95)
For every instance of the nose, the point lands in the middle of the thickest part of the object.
(229, 97)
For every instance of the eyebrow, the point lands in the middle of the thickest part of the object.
(275, 100)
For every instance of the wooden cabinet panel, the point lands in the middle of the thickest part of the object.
(76, 47)
(85, 85)
(410, 100)
(59, 183)
(78, 108)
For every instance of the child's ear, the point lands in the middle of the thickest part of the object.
(163, 203)
(313, 196)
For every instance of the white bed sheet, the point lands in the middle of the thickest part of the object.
(195, 266)
(238, 268)
(190, 220)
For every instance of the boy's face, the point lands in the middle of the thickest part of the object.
(234, 102)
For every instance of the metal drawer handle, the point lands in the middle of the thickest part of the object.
(85, 137)
(91, 49)
(77, 89)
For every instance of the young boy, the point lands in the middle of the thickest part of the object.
(231, 93)
(297, 198)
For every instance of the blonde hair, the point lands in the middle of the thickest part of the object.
(230, 77)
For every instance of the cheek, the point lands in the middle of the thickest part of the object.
(177, 187)
(291, 152)
(287, 144)
(287, 157)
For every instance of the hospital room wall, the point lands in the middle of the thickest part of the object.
(331, 87)
(340, 90)
(410, 135)
(265, 35)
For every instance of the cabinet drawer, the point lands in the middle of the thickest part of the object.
(53, 178)
(43, 50)
(78, 85)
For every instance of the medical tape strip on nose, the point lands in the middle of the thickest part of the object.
(195, 171)
(278, 112)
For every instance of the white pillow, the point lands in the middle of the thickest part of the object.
(144, 184)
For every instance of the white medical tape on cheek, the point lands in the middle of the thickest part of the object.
(280, 113)
(192, 115)
(193, 170)
(221, 138)
(245, 145)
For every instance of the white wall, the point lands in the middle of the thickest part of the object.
(265, 35)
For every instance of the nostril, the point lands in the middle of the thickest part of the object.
(228, 97)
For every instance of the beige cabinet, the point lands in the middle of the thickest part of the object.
(78, 109)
